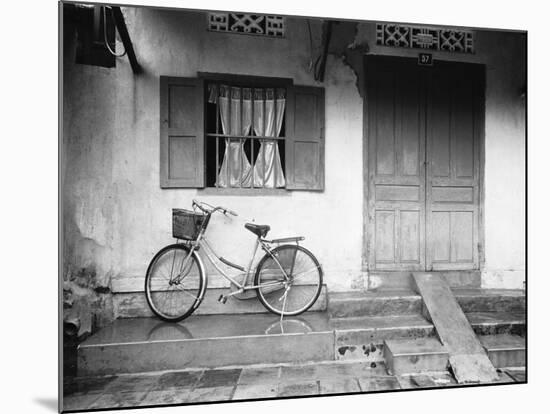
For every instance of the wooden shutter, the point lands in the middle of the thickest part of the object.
(181, 132)
(305, 141)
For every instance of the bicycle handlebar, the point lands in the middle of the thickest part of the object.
(211, 209)
(232, 213)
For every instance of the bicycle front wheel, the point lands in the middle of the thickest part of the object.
(289, 280)
(174, 284)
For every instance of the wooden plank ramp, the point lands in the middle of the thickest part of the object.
(467, 357)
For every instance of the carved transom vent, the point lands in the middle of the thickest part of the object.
(449, 40)
(256, 24)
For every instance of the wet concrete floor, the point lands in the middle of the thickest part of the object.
(246, 383)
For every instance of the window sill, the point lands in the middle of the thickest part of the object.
(244, 191)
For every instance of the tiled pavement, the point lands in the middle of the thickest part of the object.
(195, 386)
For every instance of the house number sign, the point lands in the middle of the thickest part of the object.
(425, 59)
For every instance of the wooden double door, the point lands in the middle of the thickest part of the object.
(424, 131)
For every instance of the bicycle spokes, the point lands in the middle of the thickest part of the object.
(289, 280)
(173, 283)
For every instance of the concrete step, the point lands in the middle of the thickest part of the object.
(406, 301)
(374, 303)
(494, 323)
(134, 304)
(129, 301)
(404, 280)
(203, 341)
(490, 300)
(504, 351)
(362, 338)
(148, 344)
(409, 356)
(145, 344)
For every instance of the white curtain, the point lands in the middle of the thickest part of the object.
(269, 109)
(236, 119)
(236, 114)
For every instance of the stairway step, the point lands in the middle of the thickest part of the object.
(504, 350)
(408, 356)
(362, 338)
(407, 301)
(378, 325)
(490, 300)
(148, 344)
(404, 280)
(374, 303)
(204, 341)
(494, 323)
(134, 304)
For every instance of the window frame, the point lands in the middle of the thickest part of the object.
(183, 129)
(247, 81)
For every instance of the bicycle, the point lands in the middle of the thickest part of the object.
(287, 280)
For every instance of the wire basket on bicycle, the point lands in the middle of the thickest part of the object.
(186, 225)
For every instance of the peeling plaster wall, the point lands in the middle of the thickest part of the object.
(88, 192)
(116, 216)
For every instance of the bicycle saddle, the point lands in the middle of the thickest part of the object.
(258, 229)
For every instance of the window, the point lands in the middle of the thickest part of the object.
(245, 136)
(227, 132)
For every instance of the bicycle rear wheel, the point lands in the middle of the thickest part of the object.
(175, 283)
(295, 290)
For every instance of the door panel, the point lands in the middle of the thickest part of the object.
(441, 240)
(385, 232)
(462, 231)
(410, 236)
(452, 177)
(424, 128)
(397, 175)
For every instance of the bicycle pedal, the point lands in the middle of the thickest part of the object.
(222, 299)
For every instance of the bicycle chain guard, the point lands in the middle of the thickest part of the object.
(247, 294)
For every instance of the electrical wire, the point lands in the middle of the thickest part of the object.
(310, 66)
(111, 51)
(316, 68)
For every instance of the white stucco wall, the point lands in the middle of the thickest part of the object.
(116, 216)
(112, 181)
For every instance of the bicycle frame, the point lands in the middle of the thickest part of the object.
(213, 258)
